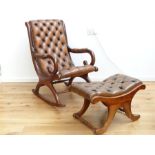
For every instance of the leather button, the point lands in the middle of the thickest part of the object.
(108, 90)
(53, 50)
(44, 24)
(62, 65)
(38, 35)
(40, 46)
(120, 87)
(41, 29)
(93, 89)
(49, 62)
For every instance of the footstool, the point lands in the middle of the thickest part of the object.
(115, 92)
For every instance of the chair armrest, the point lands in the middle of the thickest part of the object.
(39, 56)
(84, 50)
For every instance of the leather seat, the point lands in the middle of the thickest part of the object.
(76, 71)
(113, 86)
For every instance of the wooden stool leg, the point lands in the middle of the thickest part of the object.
(120, 108)
(83, 109)
(128, 112)
(111, 113)
(81, 112)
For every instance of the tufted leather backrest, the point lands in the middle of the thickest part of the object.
(49, 38)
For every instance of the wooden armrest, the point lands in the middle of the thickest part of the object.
(84, 50)
(39, 56)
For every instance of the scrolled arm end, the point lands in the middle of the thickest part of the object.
(85, 62)
(39, 56)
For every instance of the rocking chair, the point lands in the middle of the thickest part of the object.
(51, 57)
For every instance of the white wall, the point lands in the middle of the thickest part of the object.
(125, 33)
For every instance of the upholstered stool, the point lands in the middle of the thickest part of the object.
(115, 92)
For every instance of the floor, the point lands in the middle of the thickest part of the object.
(21, 112)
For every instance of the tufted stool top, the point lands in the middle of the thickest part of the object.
(113, 86)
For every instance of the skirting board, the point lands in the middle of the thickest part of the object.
(35, 79)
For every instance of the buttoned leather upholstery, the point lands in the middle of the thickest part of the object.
(115, 85)
(49, 38)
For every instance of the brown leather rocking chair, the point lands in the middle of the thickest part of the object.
(51, 56)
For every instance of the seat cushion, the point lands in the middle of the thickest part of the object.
(75, 71)
(115, 85)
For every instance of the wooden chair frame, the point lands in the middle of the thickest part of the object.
(50, 81)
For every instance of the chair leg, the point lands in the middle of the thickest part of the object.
(50, 86)
(111, 113)
(36, 90)
(86, 78)
(69, 82)
(83, 109)
(128, 111)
